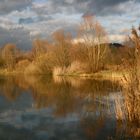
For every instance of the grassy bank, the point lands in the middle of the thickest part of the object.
(5, 72)
(102, 75)
(105, 75)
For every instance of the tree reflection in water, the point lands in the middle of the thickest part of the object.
(97, 104)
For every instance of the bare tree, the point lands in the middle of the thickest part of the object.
(62, 43)
(9, 53)
(39, 48)
(94, 39)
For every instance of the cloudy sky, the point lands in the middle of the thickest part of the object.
(23, 20)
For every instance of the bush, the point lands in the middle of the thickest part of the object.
(21, 65)
(32, 69)
(59, 71)
(77, 67)
(74, 68)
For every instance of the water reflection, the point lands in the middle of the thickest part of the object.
(128, 112)
(61, 108)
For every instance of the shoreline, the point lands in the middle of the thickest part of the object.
(102, 75)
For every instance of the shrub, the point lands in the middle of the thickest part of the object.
(59, 71)
(77, 67)
(32, 69)
(21, 65)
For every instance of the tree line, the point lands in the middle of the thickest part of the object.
(90, 53)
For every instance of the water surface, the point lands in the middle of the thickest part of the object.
(43, 108)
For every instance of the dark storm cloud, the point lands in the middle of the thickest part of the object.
(7, 6)
(26, 20)
(45, 16)
(20, 37)
(98, 7)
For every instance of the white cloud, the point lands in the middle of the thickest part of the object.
(117, 38)
(47, 16)
(8, 24)
(35, 33)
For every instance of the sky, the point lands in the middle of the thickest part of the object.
(23, 20)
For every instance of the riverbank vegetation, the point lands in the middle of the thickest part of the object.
(129, 110)
(88, 54)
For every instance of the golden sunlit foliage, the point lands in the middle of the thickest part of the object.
(62, 56)
(95, 43)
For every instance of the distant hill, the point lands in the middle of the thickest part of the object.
(116, 48)
(118, 45)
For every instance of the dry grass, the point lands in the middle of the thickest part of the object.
(74, 69)
(22, 65)
(32, 69)
(57, 71)
(77, 67)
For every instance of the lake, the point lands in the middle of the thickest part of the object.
(46, 108)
